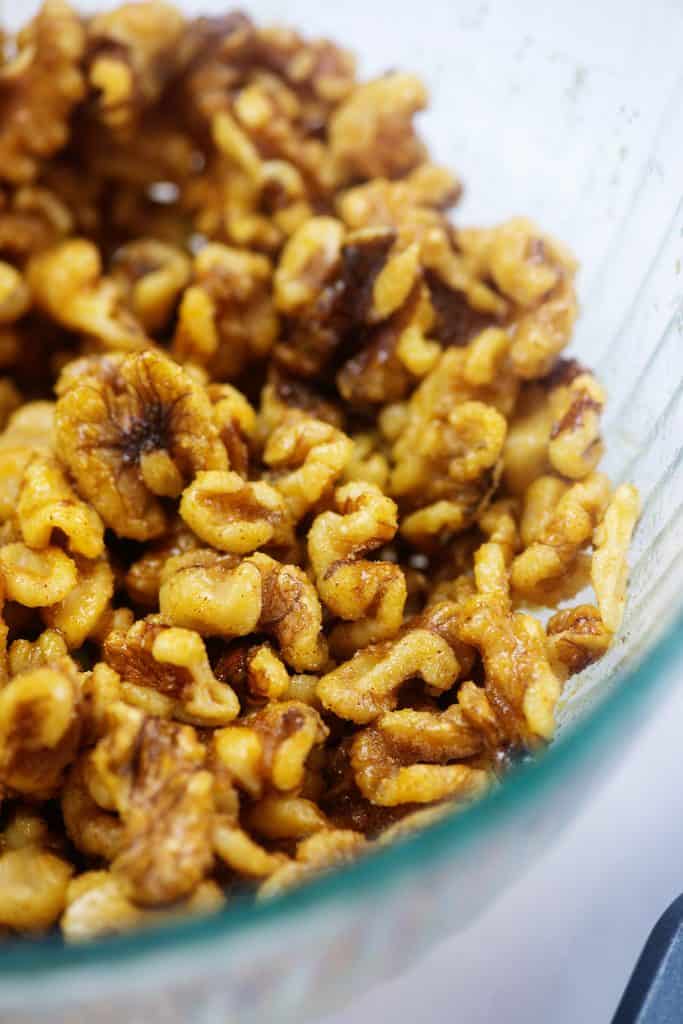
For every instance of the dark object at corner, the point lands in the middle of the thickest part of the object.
(654, 995)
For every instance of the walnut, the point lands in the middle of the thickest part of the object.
(269, 748)
(78, 615)
(364, 687)
(305, 458)
(256, 667)
(371, 595)
(131, 51)
(447, 457)
(33, 880)
(576, 638)
(389, 772)
(226, 318)
(92, 830)
(36, 578)
(570, 527)
(235, 419)
(609, 566)
(316, 854)
(38, 90)
(98, 903)
(520, 684)
(143, 578)
(371, 133)
(39, 727)
(234, 515)
(132, 429)
(47, 503)
(67, 284)
(575, 446)
(173, 662)
(152, 276)
(220, 595)
(151, 773)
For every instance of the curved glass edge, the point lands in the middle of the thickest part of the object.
(383, 867)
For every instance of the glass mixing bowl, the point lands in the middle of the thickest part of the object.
(573, 115)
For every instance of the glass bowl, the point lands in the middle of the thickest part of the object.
(574, 116)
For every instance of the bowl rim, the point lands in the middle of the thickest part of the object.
(23, 960)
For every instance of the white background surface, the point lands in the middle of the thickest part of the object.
(559, 946)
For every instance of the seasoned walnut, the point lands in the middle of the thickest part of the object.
(39, 727)
(316, 854)
(78, 615)
(47, 503)
(222, 596)
(235, 419)
(575, 446)
(520, 685)
(15, 297)
(38, 90)
(92, 830)
(152, 276)
(143, 578)
(609, 566)
(368, 462)
(151, 772)
(67, 284)
(389, 771)
(371, 133)
(33, 880)
(132, 429)
(371, 595)
(226, 318)
(305, 458)
(278, 817)
(173, 663)
(256, 668)
(567, 530)
(285, 398)
(36, 578)
(269, 748)
(364, 687)
(99, 903)
(24, 655)
(576, 638)
(234, 515)
(131, 55)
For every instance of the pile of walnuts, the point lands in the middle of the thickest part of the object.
(287, 459)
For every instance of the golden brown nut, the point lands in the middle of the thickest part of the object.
(92, 830)
(568, 529)
(520, 684)
(39, 727)
(132, 429)
(270, 747)
(152, 275)
(314, 855)
(366, 685)
(575, 446)
(371, 133)
(67, 284)
(576, 638)
(151, 772)
(36, 578)
(47, 503)
(371, 595)
(24, 655)
(98, 903)
(235, 419)
(78, 615)
(389, 773)
(15, 297)
(305, 457)
(226, 317)
(143, 578)
(173, 662)
(609, 566)
(33, 888)
(285, 817)
(234, 515)
(132, 50)
(257, 668)
(39, 89)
